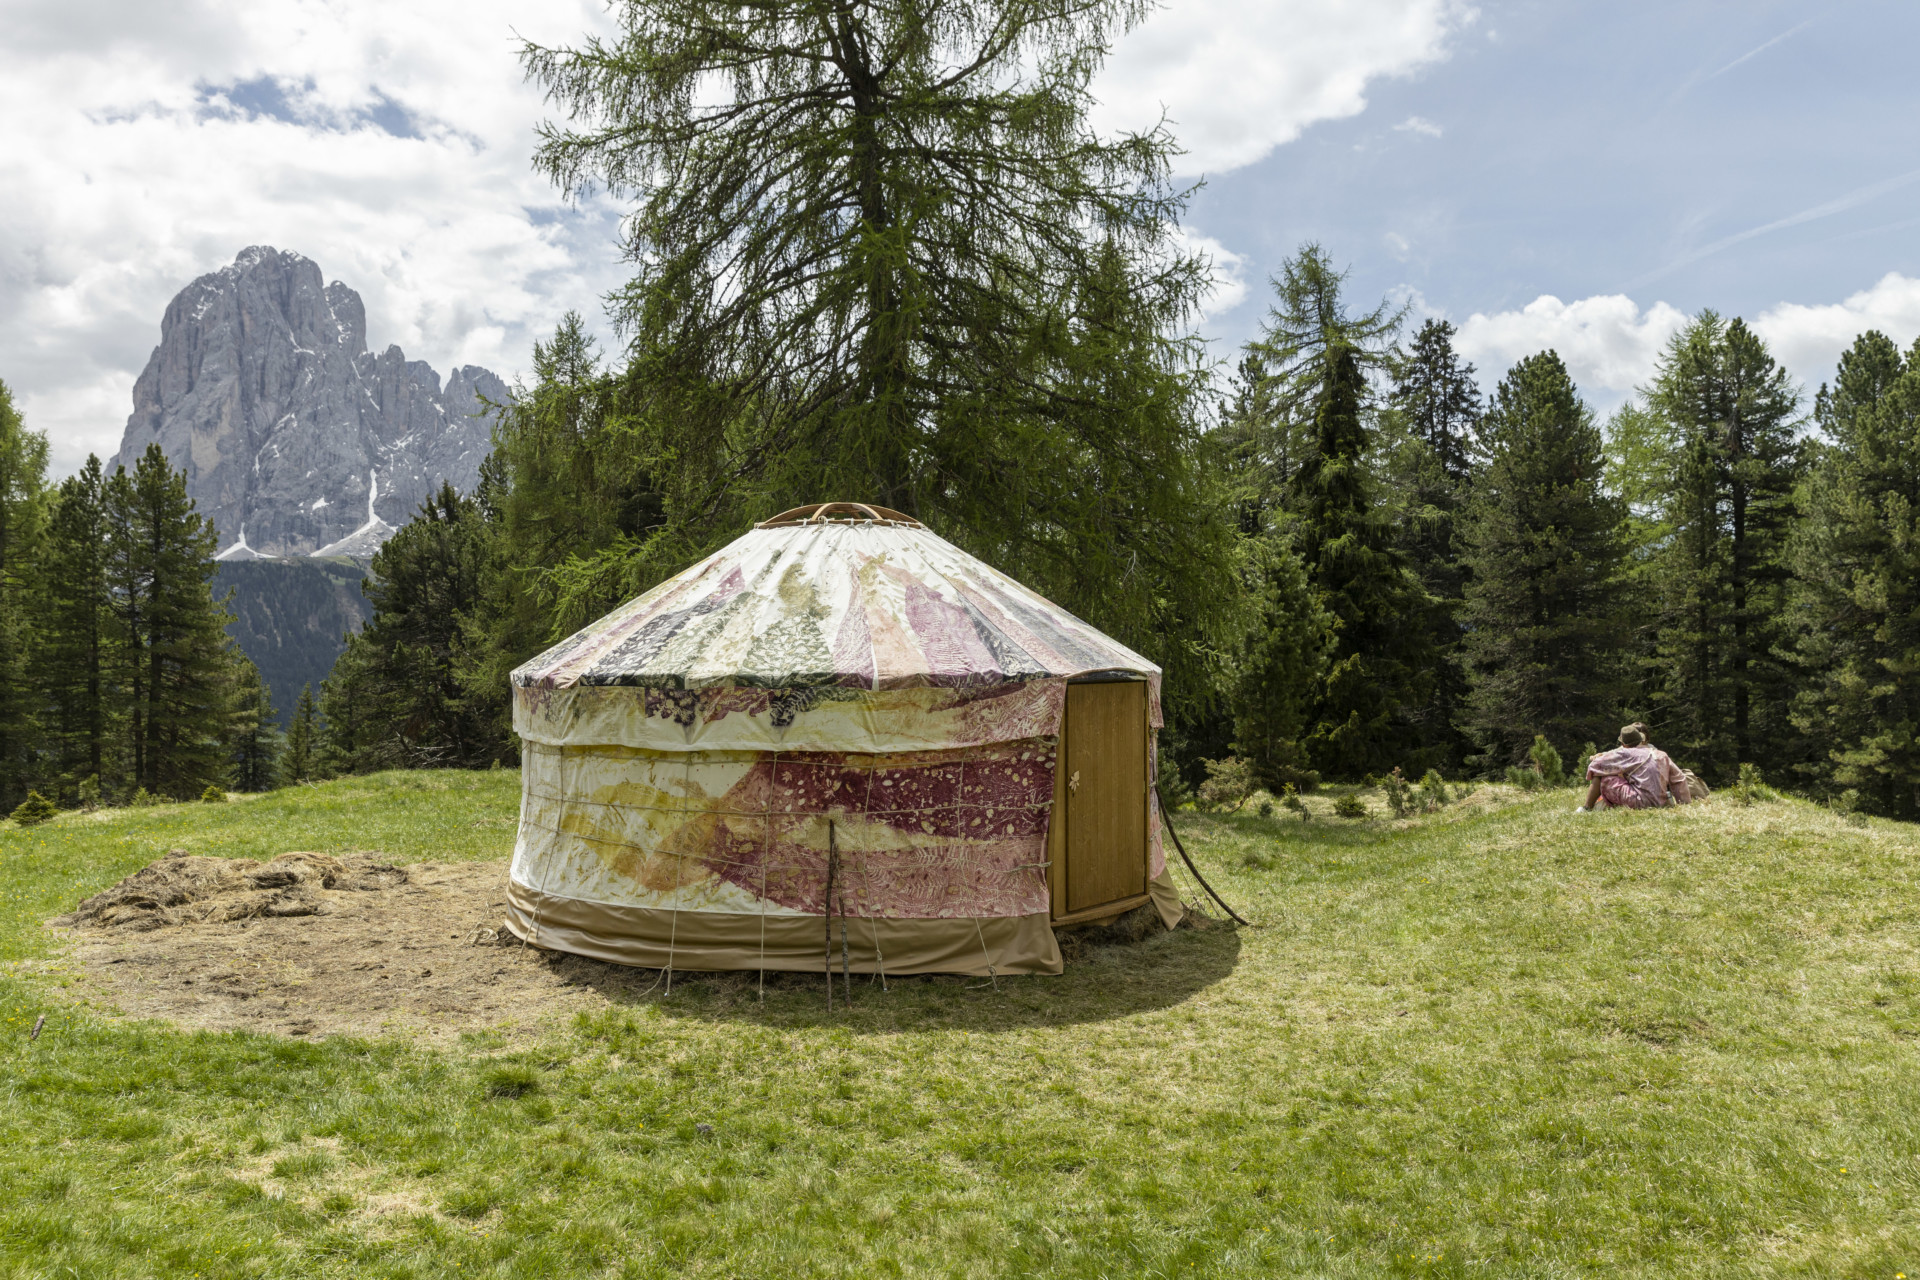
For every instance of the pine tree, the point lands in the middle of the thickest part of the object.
(254, 729)
(1427, 467)
(1544, 545)
(300, 760)
(73, 657)
(23, 503)
(403, 668)
(1259, 448)
(34, 810)
(892, 260)
(560, 496)
(168, 642)
(1380, 671)
(1286, 657)
(1867, 371)
(1856, 592)
(1723, 690)
(1260, 445)
(1435, 393)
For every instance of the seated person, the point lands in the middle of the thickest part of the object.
(1635, 775)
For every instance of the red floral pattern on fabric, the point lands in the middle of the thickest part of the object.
(927, 835)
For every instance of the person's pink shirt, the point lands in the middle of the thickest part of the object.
(1642, 777)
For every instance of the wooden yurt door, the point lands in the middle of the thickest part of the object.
(1098, 840)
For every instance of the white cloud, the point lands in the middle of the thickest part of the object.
(1809, 339)
(1611, 345)
(1420, 125)
(149, 144)
(1228, 288)
(1607, 342)
(1239, 79)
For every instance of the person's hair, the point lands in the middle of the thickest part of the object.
(1633, 735)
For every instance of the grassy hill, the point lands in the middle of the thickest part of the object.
(1501, 1041)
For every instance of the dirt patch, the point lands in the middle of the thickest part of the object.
(315, 945)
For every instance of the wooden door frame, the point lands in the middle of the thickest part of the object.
(1056, 824)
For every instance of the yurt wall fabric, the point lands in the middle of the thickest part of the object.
(857, 702)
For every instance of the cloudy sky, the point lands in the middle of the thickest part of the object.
(1581, 176)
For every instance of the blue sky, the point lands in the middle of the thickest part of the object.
(1702, 155)
(1581, 176)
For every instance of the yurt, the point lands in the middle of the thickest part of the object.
(840, 727)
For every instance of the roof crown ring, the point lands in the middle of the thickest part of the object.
(840, 513)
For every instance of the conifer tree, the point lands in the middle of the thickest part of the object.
(1723, 689)
(168, 642)
(77, 614)
(300, 761)
(880, 253)
(1261, 443)
(1428, 464)
(1286, 657)
(1856, 591)
(1436, 396)
(254, 729)
(402, 670)
(344, 740)
(562, 485)
(23, 473)
(1379, 673)
(1544, 546)
(1257, 450)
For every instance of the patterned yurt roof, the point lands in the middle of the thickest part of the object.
(854, 598)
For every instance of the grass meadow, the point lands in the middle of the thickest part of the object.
(1503, 1040)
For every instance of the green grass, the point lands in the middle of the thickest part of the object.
(1509, 1042)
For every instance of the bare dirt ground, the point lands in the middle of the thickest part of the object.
(313, 945)
(316, 945)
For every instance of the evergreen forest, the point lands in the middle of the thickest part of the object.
(951, 297)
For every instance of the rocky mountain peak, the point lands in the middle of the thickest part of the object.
(294, 437)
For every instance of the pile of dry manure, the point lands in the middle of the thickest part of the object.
(180, 889)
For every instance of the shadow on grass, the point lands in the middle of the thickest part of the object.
(1106, 984)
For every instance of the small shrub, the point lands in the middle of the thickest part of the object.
(213, 795)
(1587, 753)
(1433, 792)
(1752, 788)
(1305, 781)
(34, 810)
(1847, 805)
(1174, 791)
(1229, 783)
(142, 798)
(1523, 777)
(88, 792)
(1399, 794)
(1291, 800)
(1544, 770)
(1350, 806)
(1547, 762)
(1266, 808)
